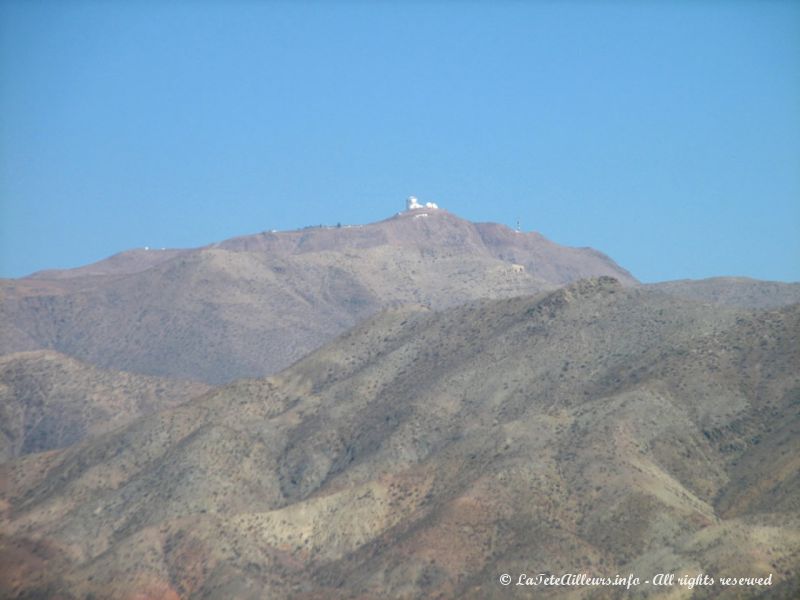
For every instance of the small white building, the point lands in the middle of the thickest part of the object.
(412, 203)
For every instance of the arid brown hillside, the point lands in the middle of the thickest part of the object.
(49, 401)
(251, 306)
(594, 429)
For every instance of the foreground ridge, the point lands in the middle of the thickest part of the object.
(597, 429)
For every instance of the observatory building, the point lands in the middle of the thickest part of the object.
(412, 203)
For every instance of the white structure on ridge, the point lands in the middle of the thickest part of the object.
(412, 203)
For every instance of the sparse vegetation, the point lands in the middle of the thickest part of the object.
(425, 452)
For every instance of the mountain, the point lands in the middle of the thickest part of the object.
(253, 305)
(733, 291)
(596, 429)
(48, 400)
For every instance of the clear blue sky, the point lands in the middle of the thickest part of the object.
(666, 134)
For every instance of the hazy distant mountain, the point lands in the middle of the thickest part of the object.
(733, 291)
(253, 305)
(596, 428)
(48, 400)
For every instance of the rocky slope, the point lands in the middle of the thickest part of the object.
(596, 428)
(253, 305)
(49, 401)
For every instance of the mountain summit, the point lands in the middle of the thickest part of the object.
(438, 234)
(252, 305)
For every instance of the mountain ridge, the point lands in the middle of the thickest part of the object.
(252, 305)
(595, 427)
